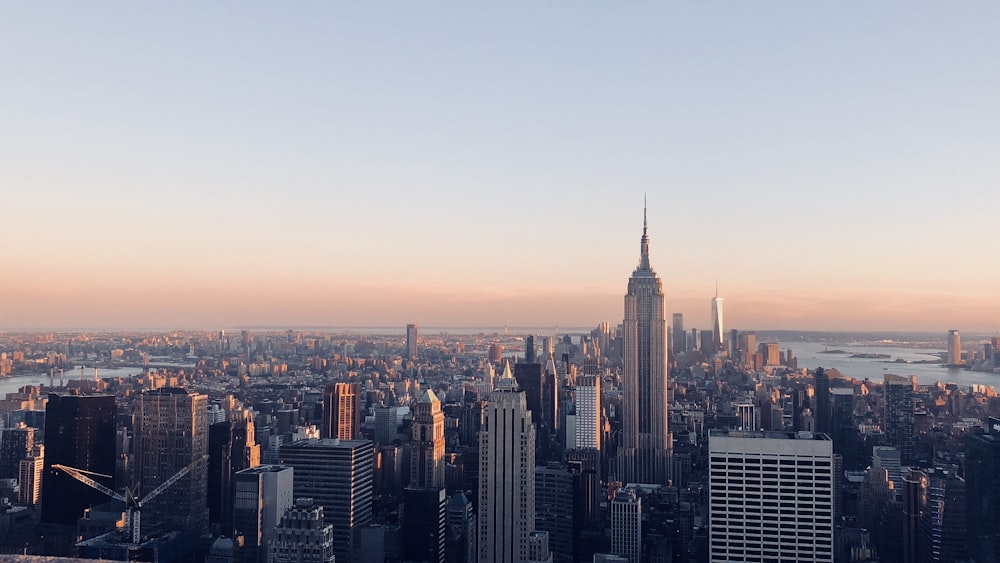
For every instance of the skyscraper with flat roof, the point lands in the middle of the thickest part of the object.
(80, 433)
(412, 352)
(645, 455)
(770, 496)
(679, 343)
(341, 411)
(898, 414)
(339, 476)
(171, 432)
(954, 348)
(261, 497)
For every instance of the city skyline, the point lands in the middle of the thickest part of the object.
(344, 165)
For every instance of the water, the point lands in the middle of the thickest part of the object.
(810, 356)
(12, 384)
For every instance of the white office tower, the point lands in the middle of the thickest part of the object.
(506, 476)
(587, 433)
(771, 496)
(626, 525)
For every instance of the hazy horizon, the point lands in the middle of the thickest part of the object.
(831, 167)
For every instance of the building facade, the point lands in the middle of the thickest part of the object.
(341, 411)
(645, 455)
(427, 448)
(770, 496)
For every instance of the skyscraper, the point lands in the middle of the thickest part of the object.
(954, 348)
(79, 433)
(821, 385)
(898, 415)
(460, 540)
(15, 445)
(171, 431)
(303, 536)
(982, 475)
(679, 343)
(341, 411)
(424, 524)
(770, 496)
(587, 428)
(411, 342)
(717, 328)
(626, 525)
(261, 497)
(645, 455)
(339, 476)
(427, 457)
(506, 476)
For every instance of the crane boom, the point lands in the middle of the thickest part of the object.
(79, 476)
(173, 479)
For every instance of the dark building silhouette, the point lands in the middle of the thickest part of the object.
(424, 523)
(220, 472)
(554, 509)
(15, 445)
(982, 483)
(821, 383)
(79, 433)
(460, 534)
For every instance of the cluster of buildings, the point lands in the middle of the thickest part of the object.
(641, 442)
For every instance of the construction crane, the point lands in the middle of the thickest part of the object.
(133, 504)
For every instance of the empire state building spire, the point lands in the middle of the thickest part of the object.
(646, 444)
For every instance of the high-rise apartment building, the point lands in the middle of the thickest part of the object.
(506, 476)
(29, 478)
(80, 433)
(898, 414)
(771, 496)
(645, 453)
(171, 432)
(339, 476)
(954, 348)
(15, 444)
(626, 525)
(427, 449)
(587, 420)
(260, 498)
(303, 535)
(412, 352)
(679, 342)
(341, 411)
(718, 330)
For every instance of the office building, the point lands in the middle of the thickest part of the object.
(898, 414)
(626, 525)
(530, 355)
(506, 476)
(645, 453)
(954, 348)
(424, 524)
(588, 429)
(303, 535)
(260, 498)
(460, 539)
(554, 508)
(341, 411)
(888, 458)
(427, 448)
(717, 327)
(80, 433)
(218, 486)
(386, 425)
(982, 482)
(771, 496)
(171, 432)
(943, 531)
(411, 342)
(339, 476)
(679, 342)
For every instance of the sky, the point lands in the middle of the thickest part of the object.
(199, 165)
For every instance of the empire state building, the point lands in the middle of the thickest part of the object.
(645, 455)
